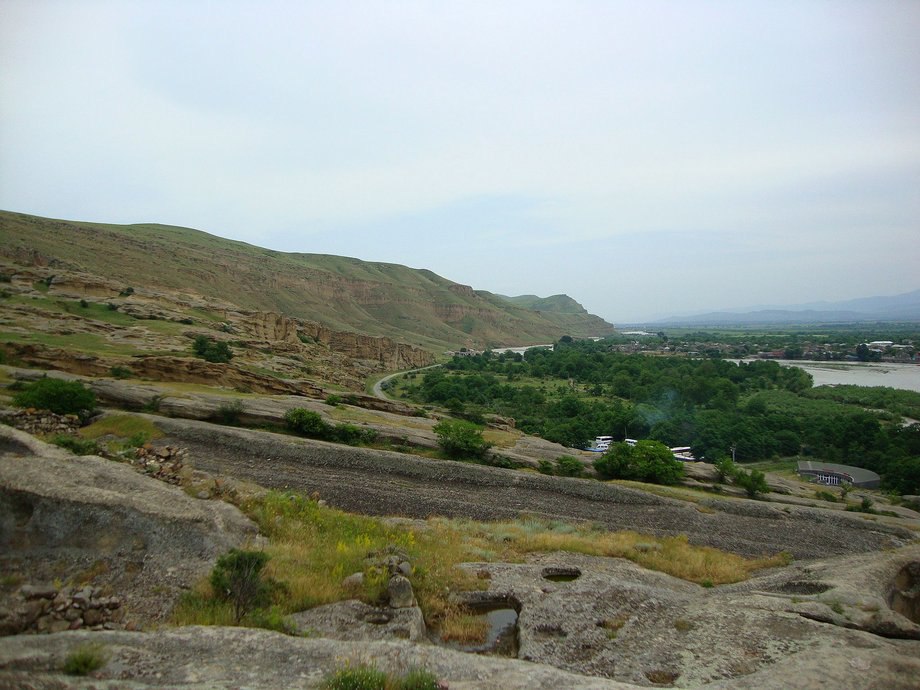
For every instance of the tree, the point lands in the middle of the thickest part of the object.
(725, 468)
(237, 578)
(461, 439)
(57, 396)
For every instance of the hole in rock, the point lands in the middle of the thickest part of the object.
(561, 573)
(498, 617)
(804, 587)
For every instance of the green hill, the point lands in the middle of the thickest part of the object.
(556, 304)
(408, 305)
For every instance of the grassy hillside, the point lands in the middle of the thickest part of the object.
(409, 305)
(556, 304)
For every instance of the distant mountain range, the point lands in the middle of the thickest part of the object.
(903, 307)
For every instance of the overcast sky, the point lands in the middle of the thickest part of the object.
(647, 158)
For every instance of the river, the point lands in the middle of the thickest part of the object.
(903, 376)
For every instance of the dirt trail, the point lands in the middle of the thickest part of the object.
(378, 482)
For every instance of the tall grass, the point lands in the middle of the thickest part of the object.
(313, 548)
(123, 426)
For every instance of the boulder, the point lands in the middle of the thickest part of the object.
(400, 590)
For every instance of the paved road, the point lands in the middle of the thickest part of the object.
(378, 387)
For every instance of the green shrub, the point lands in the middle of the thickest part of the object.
(826, 496)
(647, 461)
(112, 306)
(865, 506)
(753, 482)
(211, 350)
(75, 444)
(460, 439)
(333, 400)
(567, 466)
(84, 304)
(353, 435)
(85, 659)
(229, 412)
(119, 372)
(725, 468)
(237, 578)
(58, 396)
(307, 423)
(546, 467)
(127, 292)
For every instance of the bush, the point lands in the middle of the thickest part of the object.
(84, 304)
(567, 466)
(84, 660)
(75, 444)
(353, 435)
(237, 578)
(57, 396)
(119, 372)
(333, 400)
(647, 461)
(229, 412)
(546, 467)
(753, 482)
(211, 350)
(307, 423)
(460, 439)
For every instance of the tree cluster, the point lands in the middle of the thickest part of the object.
(760, 409)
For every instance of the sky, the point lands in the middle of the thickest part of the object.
(647, 158)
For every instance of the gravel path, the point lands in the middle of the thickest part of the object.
(378, 482)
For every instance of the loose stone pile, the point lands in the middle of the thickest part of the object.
(35, 421)
(164, 463)
(40, 609)
(394, 564)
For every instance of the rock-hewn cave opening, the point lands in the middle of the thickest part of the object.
(905, 594)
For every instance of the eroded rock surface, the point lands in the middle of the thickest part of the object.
(381, 482)
(99, 522)
(620, 621)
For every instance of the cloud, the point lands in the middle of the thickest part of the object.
(506, 133)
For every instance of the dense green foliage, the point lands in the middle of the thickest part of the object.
(212, 350)
(461, 440)
(757, 409)
(647, 461)
(311, 424)
(58, 396)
